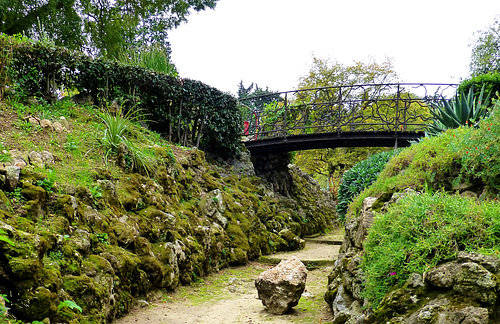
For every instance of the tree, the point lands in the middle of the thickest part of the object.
(485, 56)
(59, 18)
(328, 73)
(257, 104)
(328, 165)
(100, 27)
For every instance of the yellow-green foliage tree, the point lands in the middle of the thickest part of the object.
(328, 165)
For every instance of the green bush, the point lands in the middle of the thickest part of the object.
(480, 151)
(490, 81)
(421, 231)
(185, 111)
(429, 164)
(358, 178)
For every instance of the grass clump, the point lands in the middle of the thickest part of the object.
(116, 140)
(429, 165)
(421, 231)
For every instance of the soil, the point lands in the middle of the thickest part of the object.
(229, 296)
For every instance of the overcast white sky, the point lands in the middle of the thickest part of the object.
(272, 42)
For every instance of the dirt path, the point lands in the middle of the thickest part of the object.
(230, 297)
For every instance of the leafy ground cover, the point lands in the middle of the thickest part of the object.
(422, 231)
(454, 207)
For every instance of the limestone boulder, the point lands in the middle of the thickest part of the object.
(12, 176)
(281, 287)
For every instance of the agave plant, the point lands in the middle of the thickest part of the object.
(459, 111)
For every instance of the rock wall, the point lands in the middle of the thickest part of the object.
(125, 237)
(464, 290)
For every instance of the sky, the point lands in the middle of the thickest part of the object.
(272, 42)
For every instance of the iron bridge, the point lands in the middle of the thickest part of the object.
(368, 115)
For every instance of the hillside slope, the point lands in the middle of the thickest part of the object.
(85, 226)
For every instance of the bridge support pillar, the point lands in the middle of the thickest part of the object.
(273, 167)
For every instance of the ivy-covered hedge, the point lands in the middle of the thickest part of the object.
(186, 111)
(491, 82)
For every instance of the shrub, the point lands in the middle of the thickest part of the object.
(480, 151)
(117, 132)
(421, 231)
(490, 81)
(428, 164)
(186, 111)
(358, 178)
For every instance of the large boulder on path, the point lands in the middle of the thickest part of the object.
(280, 288)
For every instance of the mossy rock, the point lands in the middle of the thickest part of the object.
(37, 304)
(25, 268)
(86, 292)
(126, 234)
(276, 243)
(67, 207)
(101, 264)
(237, 237)
(31, 192)
(238, 257)
(123, 262)
(4, 202)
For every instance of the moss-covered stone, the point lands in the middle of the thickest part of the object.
(39, 303)
(67, 206)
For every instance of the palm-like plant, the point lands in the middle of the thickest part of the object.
(459, 111)
(117, 130)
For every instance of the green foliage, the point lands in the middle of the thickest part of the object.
(185, 111)
(4, 154)
(325, 72)
(46, 184)
(328, 166)
(421, 231)
(459, 111)
(264, 96)
(480, 151)
(153, 57)
(67, 304)
(490, 82)
(358, 178)
(56, 255)
(116, 133)
(4, 309)
(485, 56)
(429, 162)
(103, 238)
(99, 27)
(16, 194)
(5, 238)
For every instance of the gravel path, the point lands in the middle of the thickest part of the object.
(229, 296)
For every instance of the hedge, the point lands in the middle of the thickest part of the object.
(186, 111)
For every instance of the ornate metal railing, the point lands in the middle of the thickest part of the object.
(368, 107)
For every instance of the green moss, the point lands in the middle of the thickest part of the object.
(4, 202)
(237, 237)
(87, 293)
(39, 303)
(25, 268)
(238, 256)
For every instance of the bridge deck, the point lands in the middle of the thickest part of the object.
(332, 140)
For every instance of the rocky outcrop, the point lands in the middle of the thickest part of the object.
(281, 287)
(125, 237)
(464, 290)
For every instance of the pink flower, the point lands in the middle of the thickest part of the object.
(392, 273)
